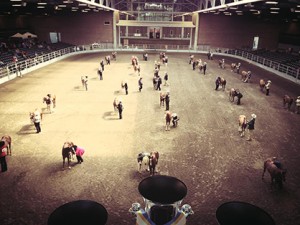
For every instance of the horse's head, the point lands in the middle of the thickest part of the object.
(153, 158)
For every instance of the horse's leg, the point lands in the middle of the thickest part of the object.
(63, 162)
(69, 162)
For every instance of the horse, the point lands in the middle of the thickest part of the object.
(162, 97)
(262, 84)
(153, 161)
(222, 83)
(242, 125)
(67, 152)
(235, 93)
(168, 120)
(277, 175)
(245, 75)
(143, 161)
(48, 102)
(115, 104)
(287, 100)
(233, 66)
(7, 141)
(222, 63)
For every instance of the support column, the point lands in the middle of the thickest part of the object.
(182, 29)
(196, 30)
(115, 21)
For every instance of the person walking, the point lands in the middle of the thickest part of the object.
(86, 82)
(37, 117)
(2, 156)
(167, 100)
(79, 152)
(194, 64)
(250, 127)
(100, 72)
(120, 109)
(218, 81)
(166, 78)
(297, 105)
(158, 83)
(268, 85)
(126, 88)
(204, 67)
(140, 84)
(102, 65)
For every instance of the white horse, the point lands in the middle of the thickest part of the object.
(242, 125)
(143, 160)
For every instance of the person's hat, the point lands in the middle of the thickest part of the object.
(298, 97)
(253, 116)
(269, 81)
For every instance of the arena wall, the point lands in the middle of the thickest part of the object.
(237, 32)
(76, 28)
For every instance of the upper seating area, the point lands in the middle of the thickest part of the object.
(18, 50)
(285, 58)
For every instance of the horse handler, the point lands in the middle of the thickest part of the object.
(79, 152)
(2, 156)
(250, 127)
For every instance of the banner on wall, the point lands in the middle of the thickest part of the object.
(255, 43)
(55, 37)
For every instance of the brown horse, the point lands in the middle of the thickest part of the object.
(262, 84)
(242, 125)
(287, 100)
(162, 97)
(235, 93)
(67, 152)
(233, 66)
(168, 120)
(153, 161)
(223, 83)
(245, 75)
(115, 104)
(7, 141)
(277, 175)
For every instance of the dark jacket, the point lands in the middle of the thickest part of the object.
(251, 124)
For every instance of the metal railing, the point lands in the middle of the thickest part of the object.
(12, 70)
(285, 69)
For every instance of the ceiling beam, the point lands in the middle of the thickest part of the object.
(223, 5)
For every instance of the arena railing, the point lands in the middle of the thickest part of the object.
(290, 71)
(13, 70)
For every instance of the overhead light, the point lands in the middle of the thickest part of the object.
(42, 3)
(16, 5)
(82, 4)
(274, 12)
(274, 8)
(297, 11)
(62, 6)
(257, 13)
(40, 7)
(238, 11)
(15, 0)
(234, 8)
(271, 2)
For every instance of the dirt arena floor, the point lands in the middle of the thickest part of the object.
(205, 151)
